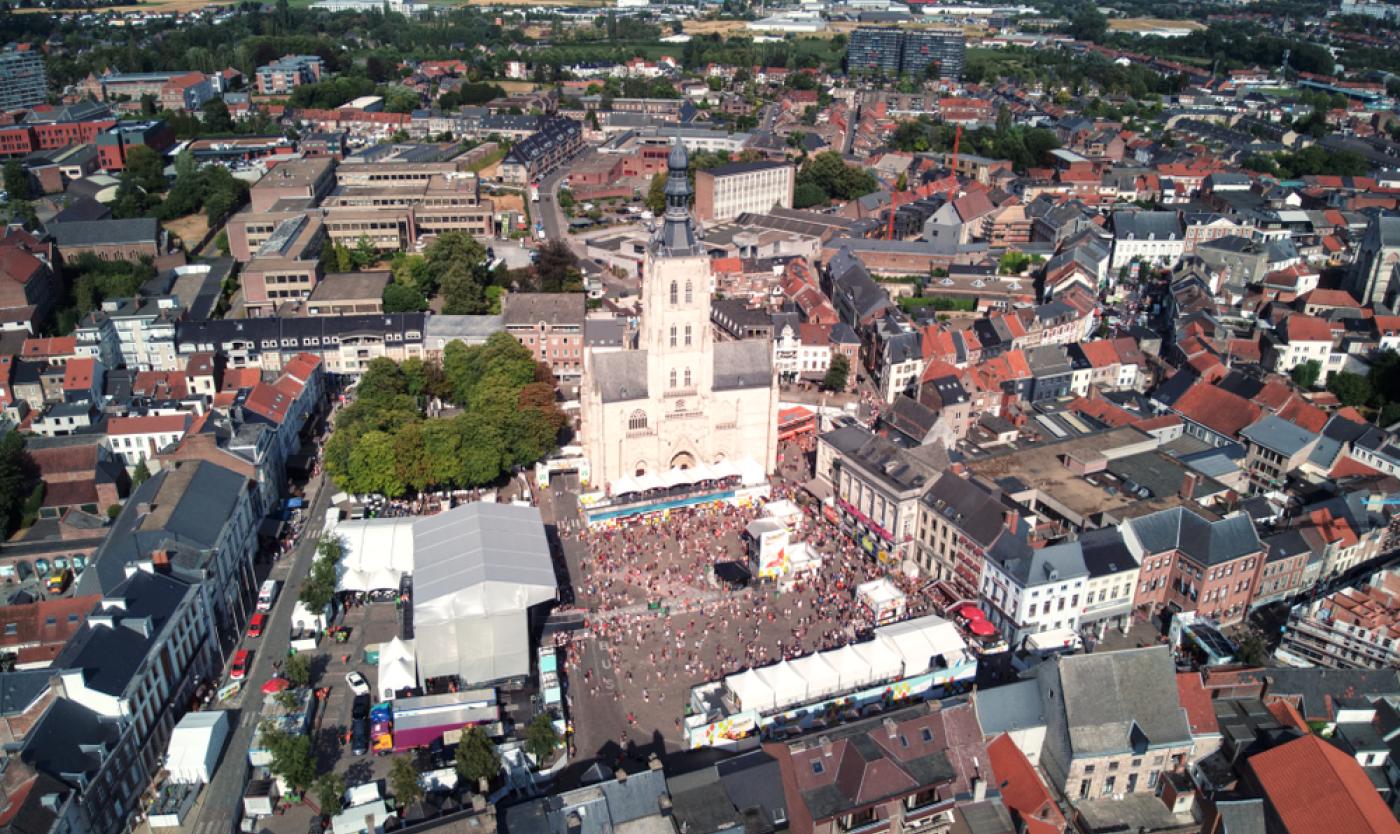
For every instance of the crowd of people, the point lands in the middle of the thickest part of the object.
(645, 660)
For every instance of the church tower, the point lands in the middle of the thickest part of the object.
(675, 322)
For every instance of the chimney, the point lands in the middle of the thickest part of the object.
(653, 762)
(620, 774)
(478, 802)
(574, 823)
(979, 789)
(1188, 485)
(826, 747)
(665, 806)
(483, 786)
(160, 561)
(1012, 519)
(891, 729)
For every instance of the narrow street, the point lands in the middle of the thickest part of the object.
(219, 807)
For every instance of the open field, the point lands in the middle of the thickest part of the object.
(191, 228)
(1148, 24)
(714, 27)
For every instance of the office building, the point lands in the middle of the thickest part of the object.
(287, 73)
(23, 80)
(728, 191)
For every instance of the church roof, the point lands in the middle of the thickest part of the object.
(621, 376)
(746, 363)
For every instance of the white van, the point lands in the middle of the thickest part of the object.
(267, 595)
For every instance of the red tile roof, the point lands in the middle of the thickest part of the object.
(1315, 788)
(269, 402)
(238, 378)
(1200, 713)
(149, 424)
(1306, 329)
(1021, 789)
(78, 374)
(1101, 353)
(1216, 409)
(1304, 414)
(39, 348)
(1330, 298)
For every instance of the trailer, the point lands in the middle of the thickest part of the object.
(421, 730)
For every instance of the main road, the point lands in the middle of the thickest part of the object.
(220, 806)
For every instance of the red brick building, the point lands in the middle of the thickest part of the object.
(1191, 564)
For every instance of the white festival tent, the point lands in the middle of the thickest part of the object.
(477, 570)
(397, 668)
(899, 650)
(376, 553)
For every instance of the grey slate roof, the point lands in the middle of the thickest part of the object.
(1278, 435)
(622, 376)
(110, 655)
(1146, 225)
(1208, 543)
(96, 232)
(747, 363)
(69, 741)
(1045, 565)
(1105, 553)
(601, 808)
(530, 308)
(20, 689)
(1014, 706)
(1114, 702)
(200, 510)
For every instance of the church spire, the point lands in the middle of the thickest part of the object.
(677, 236)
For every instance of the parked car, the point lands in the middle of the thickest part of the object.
(360, 707)
(257, 624)
(359, 737)
(357, 683)
(238, 670)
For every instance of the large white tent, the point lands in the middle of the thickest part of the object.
(477, 569)
(376, 553)
(397, 668)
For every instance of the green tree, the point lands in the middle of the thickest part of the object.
(16, 181)
(1352, 389)
(372, 467)
(15, 469)
(291, 756)
(656, 195)
(476, 757)
(146, 168)
(1305, 375)
(216, 116)
(557, 268)
(140, 474)
(808, 194)
(297, 669)
(1088, 23)
(457, 263)
(401, 299)
(330, 793)
(541, 738)
(404, 781)
(837, 373)
(318, 588)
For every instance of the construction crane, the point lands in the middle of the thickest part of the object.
(953, 167)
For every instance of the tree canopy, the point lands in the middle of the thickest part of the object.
(508, 417)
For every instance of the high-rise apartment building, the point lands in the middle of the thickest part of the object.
(23, 81)
(893, 52)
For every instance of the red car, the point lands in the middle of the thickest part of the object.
(239, 669)
(257, 624)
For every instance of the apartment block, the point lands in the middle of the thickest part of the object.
(287, 73)
(24, 82)
(551, 326)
